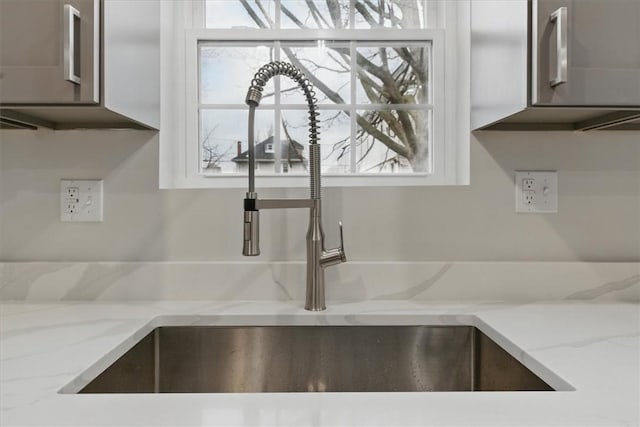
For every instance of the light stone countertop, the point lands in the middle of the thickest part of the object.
(590, 351)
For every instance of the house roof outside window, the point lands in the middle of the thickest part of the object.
(290, 151)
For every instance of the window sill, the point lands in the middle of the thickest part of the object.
(302, 181)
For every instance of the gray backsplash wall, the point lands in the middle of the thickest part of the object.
(598, 219)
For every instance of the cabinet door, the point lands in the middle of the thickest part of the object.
(585, 52)
(49, 51)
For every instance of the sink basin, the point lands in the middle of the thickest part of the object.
(258, 359)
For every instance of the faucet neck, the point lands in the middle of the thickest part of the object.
(251, 151)
(253, 98)
(317, 256)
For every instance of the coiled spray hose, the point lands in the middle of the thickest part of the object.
(254, 96)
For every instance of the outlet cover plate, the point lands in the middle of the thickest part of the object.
(536, 191)
(81, 200)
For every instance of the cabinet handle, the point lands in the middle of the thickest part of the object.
(560, 19)
(71, 29)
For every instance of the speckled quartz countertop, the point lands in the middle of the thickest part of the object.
(590, 351)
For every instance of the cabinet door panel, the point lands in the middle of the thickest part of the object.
(32, 51)
(602, 52)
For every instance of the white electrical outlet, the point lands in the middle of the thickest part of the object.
(81, 200)
(529, 197)
(536, 192)
(528, 183)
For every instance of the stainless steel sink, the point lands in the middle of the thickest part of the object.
(258, 359)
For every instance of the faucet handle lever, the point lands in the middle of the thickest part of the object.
(336, 255)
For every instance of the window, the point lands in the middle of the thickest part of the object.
(378, 68)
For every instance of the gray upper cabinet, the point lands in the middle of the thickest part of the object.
(50, 51)
(596, 63)
(555, 64)
(79, 63)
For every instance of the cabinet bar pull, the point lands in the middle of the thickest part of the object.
(560, 18)
(71, 22)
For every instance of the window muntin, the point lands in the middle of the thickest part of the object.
(368, 125)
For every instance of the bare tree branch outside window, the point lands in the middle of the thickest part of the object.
(213, 154)
(394, 75)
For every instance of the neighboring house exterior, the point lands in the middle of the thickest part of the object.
(291, 156)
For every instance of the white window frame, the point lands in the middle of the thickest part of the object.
(180, 151)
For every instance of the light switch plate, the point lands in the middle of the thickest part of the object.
(81, 200)
(536, 191)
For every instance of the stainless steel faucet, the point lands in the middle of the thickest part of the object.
(318, 258)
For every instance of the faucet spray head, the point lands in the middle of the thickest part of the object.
(254, 96)
(251, 240)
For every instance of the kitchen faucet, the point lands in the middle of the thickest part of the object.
(318, 258)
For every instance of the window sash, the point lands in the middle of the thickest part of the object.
(432, 14)
(387, 37)
(236, 37)
(352, 44)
